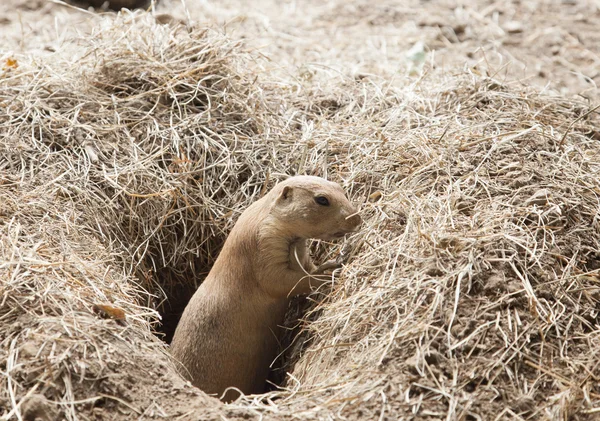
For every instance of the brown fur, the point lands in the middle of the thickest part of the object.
(227, 335)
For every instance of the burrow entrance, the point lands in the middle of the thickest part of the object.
(179, 287)
(178, 294)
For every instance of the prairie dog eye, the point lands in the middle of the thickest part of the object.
(322, 200)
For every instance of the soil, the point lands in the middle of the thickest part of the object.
(552, 44)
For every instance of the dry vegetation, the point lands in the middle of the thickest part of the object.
(127, 152)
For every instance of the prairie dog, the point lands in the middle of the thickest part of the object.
(228, 333)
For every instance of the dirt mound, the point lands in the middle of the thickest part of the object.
(473, 287)
(106, 203)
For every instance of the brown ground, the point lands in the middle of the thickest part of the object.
(553, 44)
(319, 46)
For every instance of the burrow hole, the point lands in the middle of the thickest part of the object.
(179, 287)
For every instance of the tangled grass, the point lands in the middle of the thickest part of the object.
(472, 292)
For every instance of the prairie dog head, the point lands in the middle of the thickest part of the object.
(312, 207)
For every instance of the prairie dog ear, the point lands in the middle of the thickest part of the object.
(286, 194)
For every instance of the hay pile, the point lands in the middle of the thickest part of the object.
(120, 168)
(473, 288)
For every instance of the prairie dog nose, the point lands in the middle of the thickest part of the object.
(354, 219)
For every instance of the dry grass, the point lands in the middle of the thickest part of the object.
(472, 292)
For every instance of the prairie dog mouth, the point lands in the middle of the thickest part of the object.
(338, 234)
